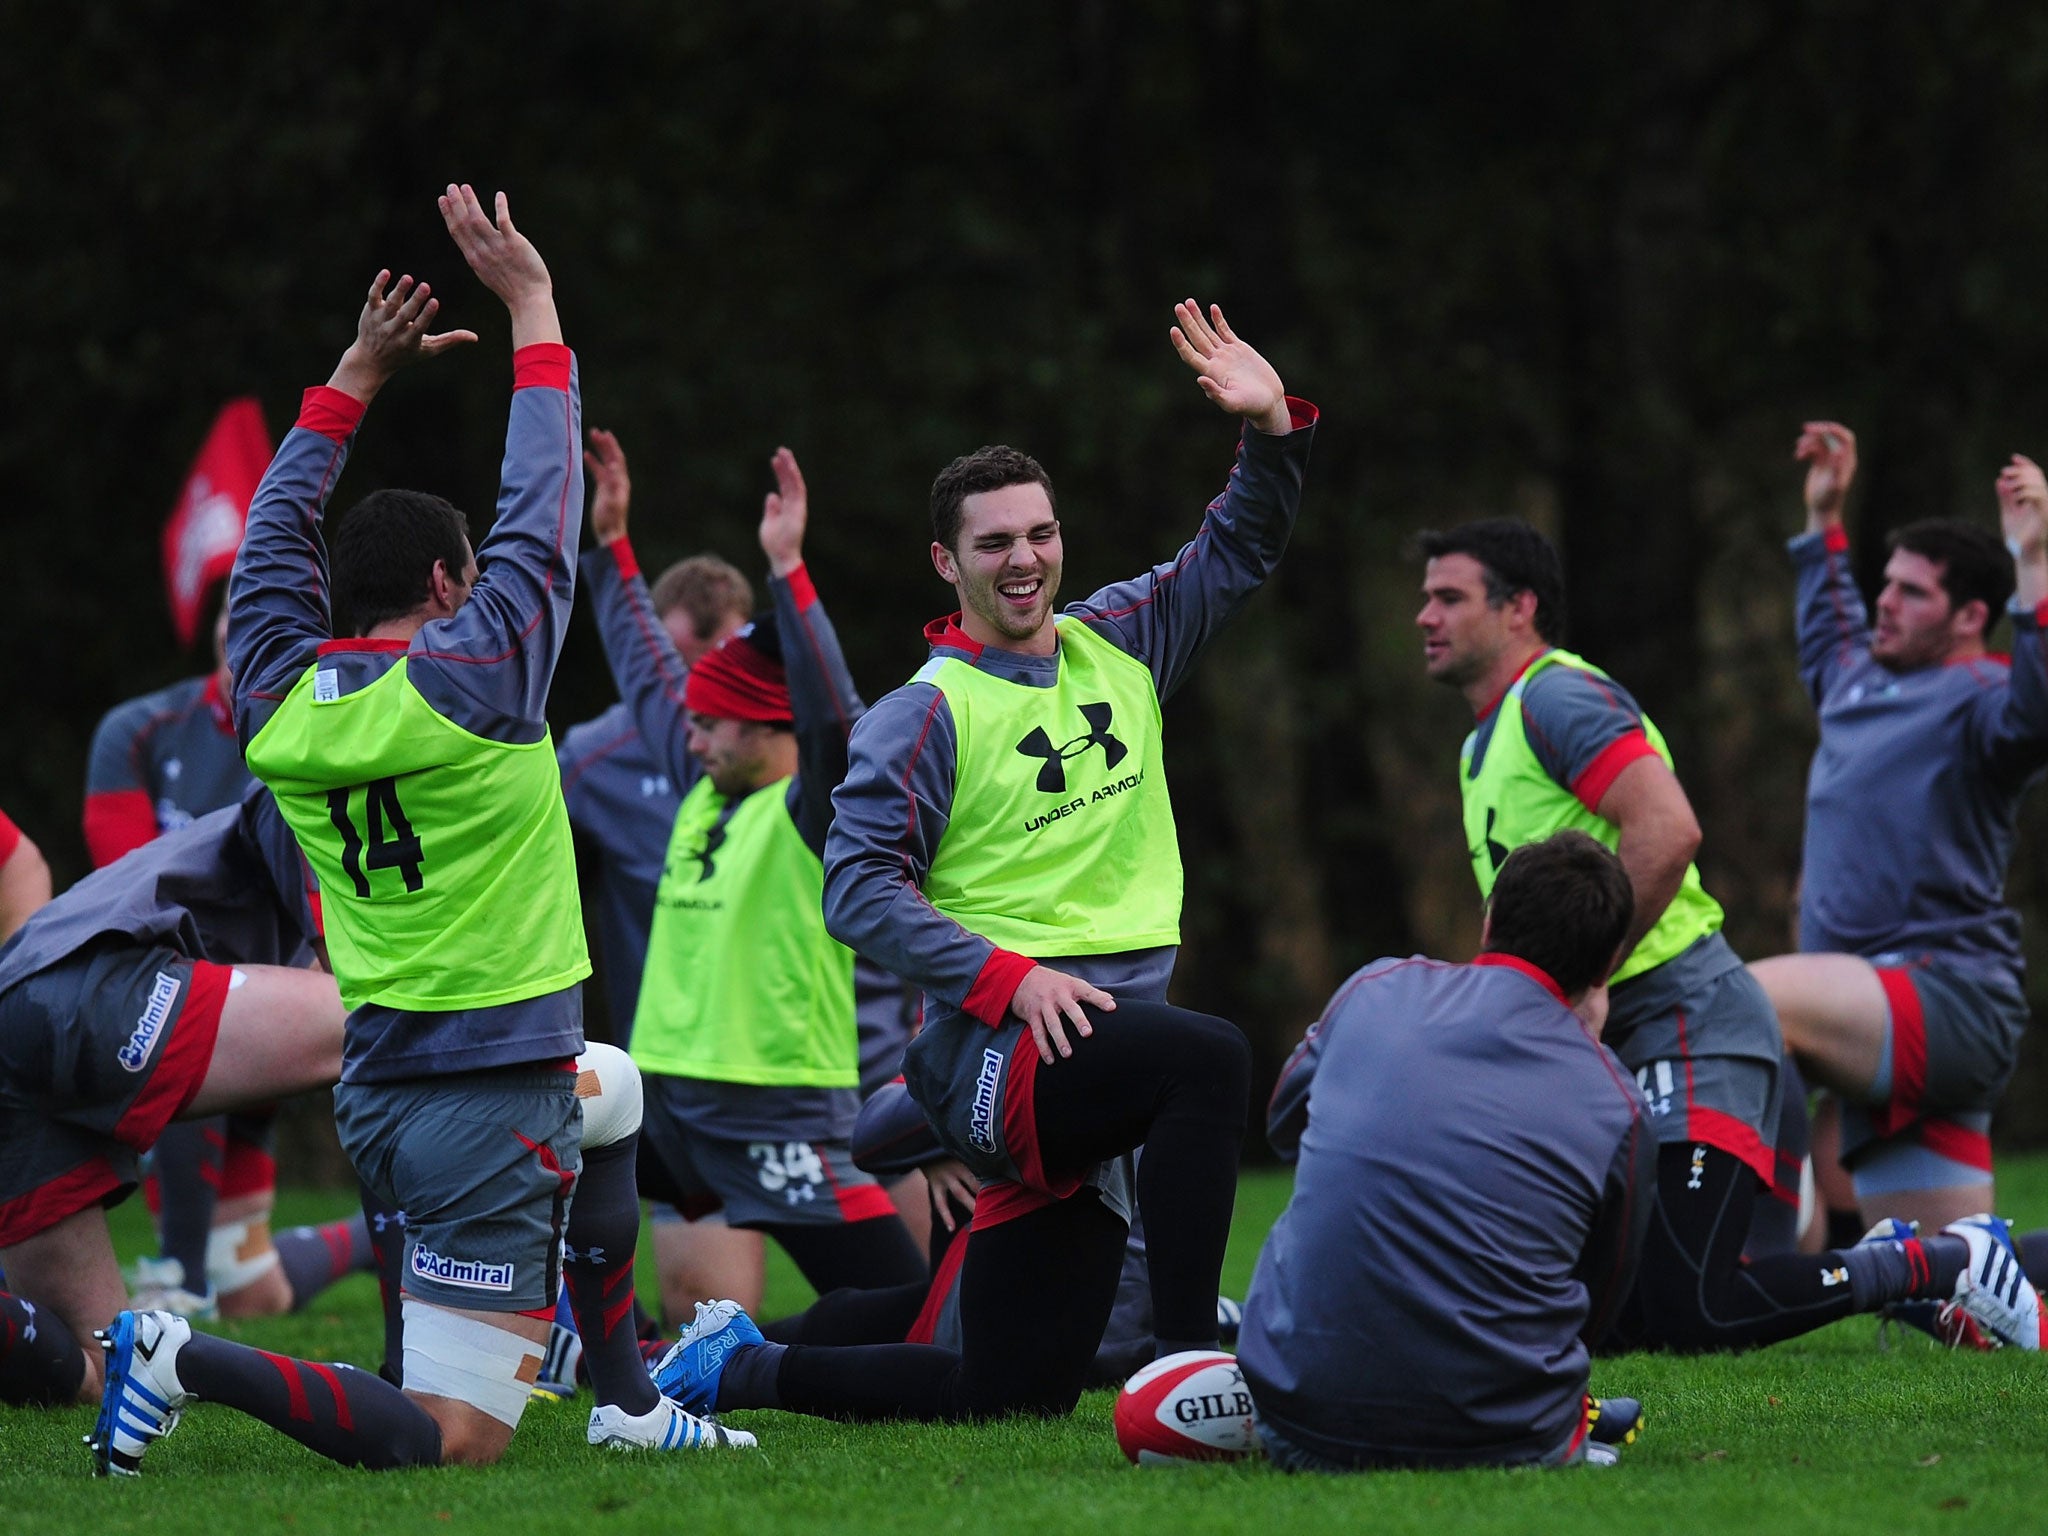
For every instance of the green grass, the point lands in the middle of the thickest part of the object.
(1823, 1434)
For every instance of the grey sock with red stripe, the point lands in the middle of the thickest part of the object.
(346, 1415)
(315, 1257)
(597, 1268)
(41, 1364)
(1895, 1270)
(188, 1163)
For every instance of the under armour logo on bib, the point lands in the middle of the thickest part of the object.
(1052, 775)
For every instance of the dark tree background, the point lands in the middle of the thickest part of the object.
(1591, 263)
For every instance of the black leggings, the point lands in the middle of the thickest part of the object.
(1693, 1292)
(1036, 1291)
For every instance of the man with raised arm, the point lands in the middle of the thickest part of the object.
(1004, 839)
(409, 751)
(1907, 1000)
(745, 1032)
(1558, 743)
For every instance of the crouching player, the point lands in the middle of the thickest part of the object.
(1475, 1181)
(413, 763)
(170, 985)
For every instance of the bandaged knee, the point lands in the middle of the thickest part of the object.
(609, 1085)
(449, 1355)
(238, 1254)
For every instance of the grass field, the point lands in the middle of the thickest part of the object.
(1825, 1434)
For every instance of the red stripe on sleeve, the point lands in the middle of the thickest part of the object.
(1835, 539)
(801, 589)
(330, 412)
(1598, 776)
(1300, 413)
(117, 821)
(629, 563)
(989, 998)
(544, 365)
(10, 837)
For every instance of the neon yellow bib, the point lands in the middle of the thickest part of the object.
(1514, 800)
(1061, 840)
(743, 984)
(447, 874)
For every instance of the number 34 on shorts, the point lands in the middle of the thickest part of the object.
(791, 1169)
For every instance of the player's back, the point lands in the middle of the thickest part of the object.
(1418, 1298)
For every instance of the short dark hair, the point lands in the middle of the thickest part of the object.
(709, 589)
(988, 468)
(1563, 905)
(1517, 559)
(1975, 564)
(383, 551)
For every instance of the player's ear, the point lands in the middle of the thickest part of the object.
(1972, 621)
(944, 563)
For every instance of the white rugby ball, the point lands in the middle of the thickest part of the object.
(1187, 1407)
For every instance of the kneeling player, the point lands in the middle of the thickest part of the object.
(170, 985)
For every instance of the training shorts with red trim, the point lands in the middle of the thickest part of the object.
(97, 1055)
(1702, 1039)
(1952, 1039)
(484, 1166)
(754, 1181)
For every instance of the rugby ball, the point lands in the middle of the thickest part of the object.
(1186, 1407)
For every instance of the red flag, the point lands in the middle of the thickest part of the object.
(201, 538)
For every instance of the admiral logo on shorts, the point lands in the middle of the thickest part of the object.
(470, 1273)
(981, 1126)
(150, 1027)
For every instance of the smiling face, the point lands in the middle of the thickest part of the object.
(1005, 567)
(1918, 625)
(1463, 633)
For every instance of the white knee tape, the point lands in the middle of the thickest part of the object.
(239, 1253)
(449, 1355)
(609, 1085)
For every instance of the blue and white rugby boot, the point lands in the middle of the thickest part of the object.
(665, 1427)
(1229, 1319)
(1993, 1291)
(690, 1370)
(143, 1396)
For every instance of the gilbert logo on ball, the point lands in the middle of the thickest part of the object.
(1186, 1407)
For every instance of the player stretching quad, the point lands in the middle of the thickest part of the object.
(745, 1031)
(170, 984)
(1470, 1118)
(157, 763)
(1557, 743)
(412, 760)
(1005, 840)
(1908, 1000)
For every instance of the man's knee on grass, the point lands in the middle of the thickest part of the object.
(471, 1373)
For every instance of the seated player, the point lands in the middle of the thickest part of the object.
(410, 755)
(1475, 1178)
(1005, 839)
(745, 1032)
(172, 983)
(1908, 998)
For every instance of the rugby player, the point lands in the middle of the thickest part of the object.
(411, 758)
(1004, 839)
(1475, 1176)
(745, 1032)
(1557, 743)
(157, 763)
(171, 983)
(1907, 999)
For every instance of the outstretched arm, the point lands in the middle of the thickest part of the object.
(499, 649)
(2012, 723)
(1833, 626)
(822, 698)
(278, 593)
(1167, 615)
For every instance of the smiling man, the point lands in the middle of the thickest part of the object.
(1556, 743)
(1908, 1001)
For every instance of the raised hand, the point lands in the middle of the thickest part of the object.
(612, 488)
(505, 261)
(1230, 372)
(784, 514)
(1828, 450)
(391, 332)
(2023, 508)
